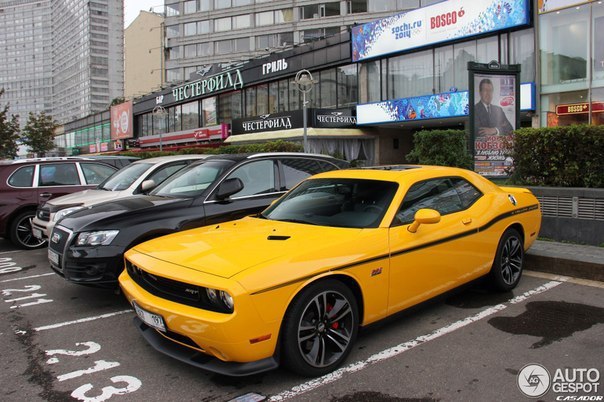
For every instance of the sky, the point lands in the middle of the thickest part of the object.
(132, 8)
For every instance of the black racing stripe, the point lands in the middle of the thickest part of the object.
(408, 250)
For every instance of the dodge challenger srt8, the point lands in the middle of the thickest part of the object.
(343, 249)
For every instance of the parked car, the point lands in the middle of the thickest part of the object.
(118, 161)
(136, 178)
(341, 250)
(87, 246)
(27, 183)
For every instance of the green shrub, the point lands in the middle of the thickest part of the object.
(441, 148)
(570, 156)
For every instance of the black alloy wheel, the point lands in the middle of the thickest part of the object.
(508, 263)
(21, 232)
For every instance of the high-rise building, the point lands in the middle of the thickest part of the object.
(202, 32)
(63, 57)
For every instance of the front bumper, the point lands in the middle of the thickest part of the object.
(43, 228)
(218, 342)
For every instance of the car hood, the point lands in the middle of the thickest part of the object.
(229, 248)
(87, 198)
(111, 212)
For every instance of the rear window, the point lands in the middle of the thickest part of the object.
(22, 177)
(63, 174)
(95, 173)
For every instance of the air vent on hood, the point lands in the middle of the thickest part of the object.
(278, 237)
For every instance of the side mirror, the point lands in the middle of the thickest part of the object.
(424, 217)
(147, 185)
(228, 188)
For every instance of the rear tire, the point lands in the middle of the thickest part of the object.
(509, 259)
(320, 328)
(20, 232)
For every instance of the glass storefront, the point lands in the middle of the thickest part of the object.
(572, 65)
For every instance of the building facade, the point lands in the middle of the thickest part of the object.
(65, 56)
(202, 32)
(144, 55)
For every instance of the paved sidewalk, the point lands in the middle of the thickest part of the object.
(566, 259)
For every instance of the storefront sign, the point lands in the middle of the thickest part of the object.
(442, 22)
(274, 66)
(579, 108)
(219, 132)
(268, 122)
(121, 121)
(339, 118)
(545, 6)
(226, 80)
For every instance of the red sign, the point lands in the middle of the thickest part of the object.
(121, 121)
(219, 132)
(579, 108)
(202, 134)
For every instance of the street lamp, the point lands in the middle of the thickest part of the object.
(304, 83)
(160, 113)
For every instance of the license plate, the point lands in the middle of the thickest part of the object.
(152, 320)
(53, 257)
(37, 233)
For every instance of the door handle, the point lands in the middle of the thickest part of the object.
(466, 221)
(45, 195)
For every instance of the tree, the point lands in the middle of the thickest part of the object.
(117, 101)
(9, 132)
(39, 133)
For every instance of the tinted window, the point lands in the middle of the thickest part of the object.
(467, 192)
(124, 178)
(166, 171)
(23, 177)
(297, 169)
(257, 177)
(64, 174)
(95, 173)
(438, 194)
(193, 180)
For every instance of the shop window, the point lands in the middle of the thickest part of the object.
(283, 98)
(273, 97)
(190, 115)
(250, 102)
(410, 75)
(347, 85)
(328, 89)
(295, 97)
(522, 51)
(463, 53)
(444, 69)
(262, 99)
(208, 106)
(369, 81)
(174, 118)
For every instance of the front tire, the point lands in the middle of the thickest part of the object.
(20, 232)
(509, 259)
(320, 328)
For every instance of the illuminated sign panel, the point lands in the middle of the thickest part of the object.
(442, 22)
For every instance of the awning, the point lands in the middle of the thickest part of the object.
(298, 134)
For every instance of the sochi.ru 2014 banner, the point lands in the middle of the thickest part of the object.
(438, 23)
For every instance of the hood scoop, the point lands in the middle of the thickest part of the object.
(275, 237)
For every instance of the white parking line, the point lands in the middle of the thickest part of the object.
(81, 320)
(10, 251)
(403, 347)
(27, 277)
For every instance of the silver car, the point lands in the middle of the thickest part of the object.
(136, 178)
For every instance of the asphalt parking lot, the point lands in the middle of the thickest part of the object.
(60, 341)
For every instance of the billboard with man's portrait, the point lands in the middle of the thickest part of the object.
(494, 119)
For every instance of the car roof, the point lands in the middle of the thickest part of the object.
(170, 158)
(393, 172)
(43, 160)
(259, 155)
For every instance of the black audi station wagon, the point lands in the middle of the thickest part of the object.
(87, 246)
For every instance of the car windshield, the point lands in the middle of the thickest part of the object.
(350, 203)
(123, 178)
(192, 181)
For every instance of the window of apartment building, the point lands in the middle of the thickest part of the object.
(205, 49)
(381, 5)
(174, 53)
(241, 45)
(224, 46)
(222, 24)
(174, 75)
(203, 27)
(242, 21)
(190, 29)
(190, 7)
(219, 4)
(265, 18)
(284, 15)
(190, 53)
(313, 34)
(173, 10)
(357, 6)
(237, 3)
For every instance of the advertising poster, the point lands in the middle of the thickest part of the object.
(494, 114)
(546, 6)
(121, 121)
(442, 22)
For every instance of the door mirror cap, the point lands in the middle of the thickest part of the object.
(424, 217)
(228, 188)
(147, 185)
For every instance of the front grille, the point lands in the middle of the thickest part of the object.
(44, 214)
(58, 240)
(180, 292)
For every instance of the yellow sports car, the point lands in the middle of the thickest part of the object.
(341, 250)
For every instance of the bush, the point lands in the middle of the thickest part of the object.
(570, 156)
(441, 148)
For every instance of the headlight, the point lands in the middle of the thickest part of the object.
(220, 300)
(101, 238)
(60, 214)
